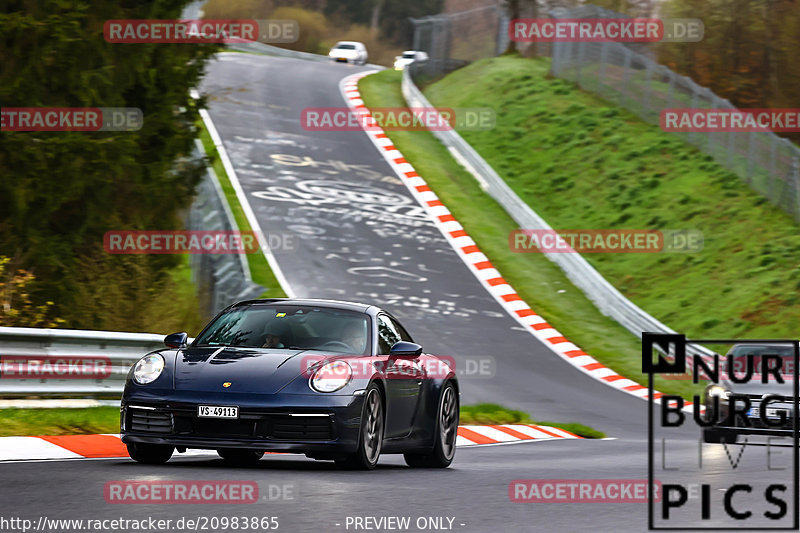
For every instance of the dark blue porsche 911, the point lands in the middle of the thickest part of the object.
(334, 380)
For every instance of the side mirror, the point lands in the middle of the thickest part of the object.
(405, 349)
(176, 340)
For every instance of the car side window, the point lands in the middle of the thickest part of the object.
(387, 334)
(404, 336)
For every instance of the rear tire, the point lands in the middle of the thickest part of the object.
(444, 448)
(237, 457)
(150, 454)
(370, 434)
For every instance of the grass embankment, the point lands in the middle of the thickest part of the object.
(58, 421)
(582, 163)
(260, 271)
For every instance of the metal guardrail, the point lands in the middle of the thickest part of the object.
(221, 279)
(122, 350)
(607, 298)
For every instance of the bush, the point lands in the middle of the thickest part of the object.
(313, 28)
(16, 308)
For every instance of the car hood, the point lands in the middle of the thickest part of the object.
(756, 387)
(249, 370)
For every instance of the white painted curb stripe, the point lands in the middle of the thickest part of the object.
(27, 448)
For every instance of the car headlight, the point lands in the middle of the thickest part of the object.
(331, 376)
(717, 391)
(148, 368)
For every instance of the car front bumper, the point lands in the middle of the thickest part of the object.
(306, 423)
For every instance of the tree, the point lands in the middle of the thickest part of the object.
(61, 191)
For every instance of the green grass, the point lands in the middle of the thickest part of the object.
(538, 281)
(491, 413)
(582, 163)
(259, 268)
(59, 421)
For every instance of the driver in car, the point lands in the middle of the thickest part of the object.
(277, 336)
(272, 341)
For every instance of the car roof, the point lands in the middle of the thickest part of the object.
(764, 343)
(311, 302)
(347, 42)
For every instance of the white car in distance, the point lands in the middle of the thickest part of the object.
(349, 52)
(408, 57)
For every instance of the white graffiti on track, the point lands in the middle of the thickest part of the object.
(386, 272)
(423, 305)
(358, 215)
(331, 164)
(353, 192)
(305, 230)
(366, 197)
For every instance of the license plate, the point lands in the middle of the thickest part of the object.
(217, 411)
(755, 412)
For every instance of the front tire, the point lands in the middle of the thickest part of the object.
(370, 435)
(150, 454)
(237, 457)
(444, 448)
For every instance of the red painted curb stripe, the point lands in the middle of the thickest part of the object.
(571, 433)
(474, 436)
(540, 428)
(89, 445)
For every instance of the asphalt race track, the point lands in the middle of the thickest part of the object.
(348, 229)
(330, 193)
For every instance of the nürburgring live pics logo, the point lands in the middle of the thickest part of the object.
(738, 481)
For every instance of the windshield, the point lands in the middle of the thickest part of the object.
(346, 46)
(785, 353)
(408, 55)
(289, 326)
